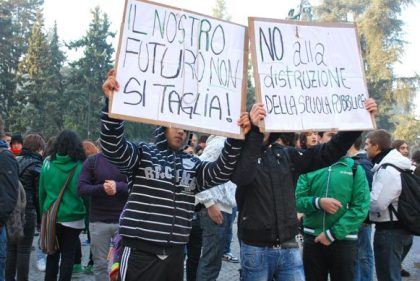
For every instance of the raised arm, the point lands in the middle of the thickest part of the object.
(245, 170)
(115, 147)
(214, 173)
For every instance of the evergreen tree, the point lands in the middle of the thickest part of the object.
(39, 85)
(16, 20)
(86, 76)
(381, 44)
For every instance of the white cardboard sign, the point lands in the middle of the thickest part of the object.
(180, 69)
(309, 76)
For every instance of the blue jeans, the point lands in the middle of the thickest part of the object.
(266, 264)
(214, 236)
(389, 246)
(229, 233)
(3, 248)
(363, 264)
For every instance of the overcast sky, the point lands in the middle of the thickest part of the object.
(73, 18)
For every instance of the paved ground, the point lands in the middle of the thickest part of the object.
(230, 271)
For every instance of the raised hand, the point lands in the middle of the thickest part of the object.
(257, 113)
(371, 106)
(110, 83)
(244, 122)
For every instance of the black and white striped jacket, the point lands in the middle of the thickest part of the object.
(160, 206)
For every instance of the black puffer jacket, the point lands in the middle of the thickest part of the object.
(29, 170)
(266, 178)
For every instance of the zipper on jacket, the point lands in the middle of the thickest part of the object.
(326, 195)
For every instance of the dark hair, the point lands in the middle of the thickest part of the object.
(398, 143)
(381, 138)
(302, 138)
(16, 139)
(49, 146)
(33, 143)
(416, 157)
(358, 143)
(68, 143)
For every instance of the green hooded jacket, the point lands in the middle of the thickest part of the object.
(336, 181)
(53, 176)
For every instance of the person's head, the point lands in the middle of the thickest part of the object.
(308, 139)
(194, 140)
(175, 137)
(376, 142)
(16, 142)
(401, 146)
(189, 149)
(49, 146)
(90, 148)
(327, 135)
(8, 138)
(34, 143)
(416, 157)
(68, 143)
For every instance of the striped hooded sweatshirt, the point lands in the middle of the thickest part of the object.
(158, 213)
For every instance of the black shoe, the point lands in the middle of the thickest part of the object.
(405, 273)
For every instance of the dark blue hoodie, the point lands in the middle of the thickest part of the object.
(157, 216)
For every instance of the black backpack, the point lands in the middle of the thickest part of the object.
(408, 213)
(8, 195)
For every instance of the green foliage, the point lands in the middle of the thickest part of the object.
(86, 76)
(39, 90)
(16, 20)
(380, 34)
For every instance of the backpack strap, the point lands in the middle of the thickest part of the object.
(392, 165)
(354, 168)
(391, 208)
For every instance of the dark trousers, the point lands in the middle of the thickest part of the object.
(67, 239)
(19, 253)
(336, 259)
(137, 265)
(194, 249)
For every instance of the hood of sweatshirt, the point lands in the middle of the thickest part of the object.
(161, 141)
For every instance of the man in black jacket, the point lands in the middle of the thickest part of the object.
(265, 176)
(9, 176)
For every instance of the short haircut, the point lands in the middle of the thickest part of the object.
(381, 138)
(358, 143)
(34, 143)
(398, 143)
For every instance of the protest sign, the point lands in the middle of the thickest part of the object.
(180, 69)
(309, 75)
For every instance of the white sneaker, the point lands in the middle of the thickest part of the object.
(41, 264)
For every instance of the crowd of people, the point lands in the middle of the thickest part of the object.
(159, 211)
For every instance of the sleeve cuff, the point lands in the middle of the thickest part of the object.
(316, 203)
(209, 203)
(330, 235)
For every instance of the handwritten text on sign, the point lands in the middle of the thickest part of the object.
(180, 69)
(309, 76)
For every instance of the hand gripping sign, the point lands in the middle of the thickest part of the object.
(309, 76)
(180, 69)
